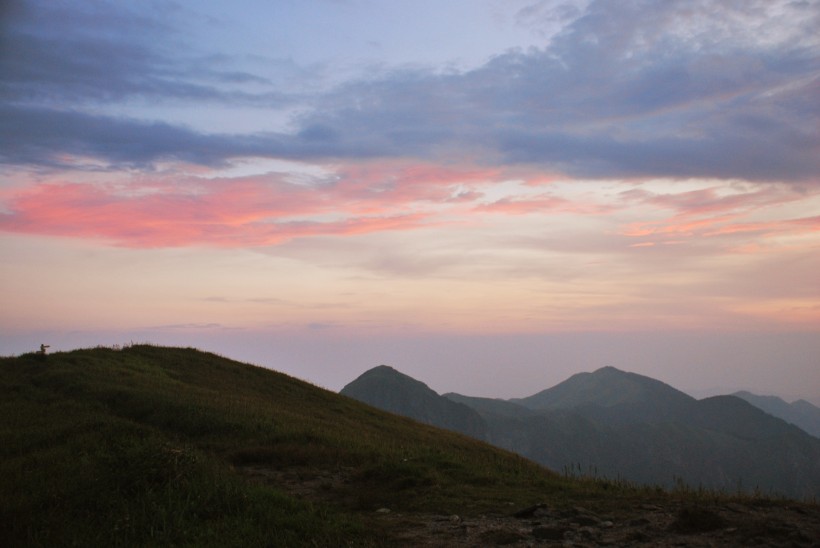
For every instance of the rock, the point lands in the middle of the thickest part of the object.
(585, 520)
(589, 532)
(549, 533)
(531, 511)
(697, 520)
(501, 537)
(383, 511)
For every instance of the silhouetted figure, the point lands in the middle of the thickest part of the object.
(43, 348)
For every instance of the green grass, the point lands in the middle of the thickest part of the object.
(144, 445)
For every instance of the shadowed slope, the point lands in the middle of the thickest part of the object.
(387, 389)
(622, 425)
(800, 413)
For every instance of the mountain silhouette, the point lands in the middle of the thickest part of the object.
(606, 387)
(611, 395)
(800, 413)
(385, 388)
(615, 424)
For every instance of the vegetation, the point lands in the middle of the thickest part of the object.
(168, 446)
(146, 445)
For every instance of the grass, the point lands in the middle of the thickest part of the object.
(143, 445)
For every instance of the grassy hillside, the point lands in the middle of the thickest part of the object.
(149, 445)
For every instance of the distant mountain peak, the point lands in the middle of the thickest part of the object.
(386, 388)
(606, 387)
(800, 413)
(622, 423)
(384, 370)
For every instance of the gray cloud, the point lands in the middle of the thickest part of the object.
(84, 53)
(610, 98)
(39, 136)
(628, 89)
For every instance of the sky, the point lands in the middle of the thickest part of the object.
(488, 195)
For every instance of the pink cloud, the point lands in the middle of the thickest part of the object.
(220, 213)
(710, 201)
(180, 210)
(704, 213)
(402, 182)
(543, 203)
(175, 209)
(720, 227)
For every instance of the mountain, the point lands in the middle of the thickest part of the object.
(153, 446)
(492, 407)
(613, 394)
(387, 389)
(615, 424)
(800, 413)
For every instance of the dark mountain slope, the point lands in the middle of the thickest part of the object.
(622, 425)
(800, 413)
(492, 407)
(387, 389)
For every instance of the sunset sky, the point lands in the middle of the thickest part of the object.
(488, 195)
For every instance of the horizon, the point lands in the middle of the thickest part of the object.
(443, 384)
(479, 193)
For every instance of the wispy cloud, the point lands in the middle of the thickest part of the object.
(723, 214)
(233, 215)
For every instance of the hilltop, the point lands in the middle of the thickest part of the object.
(170, 446)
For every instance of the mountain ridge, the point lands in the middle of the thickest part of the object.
(801, 413)
(388, 389)
(627, 425)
